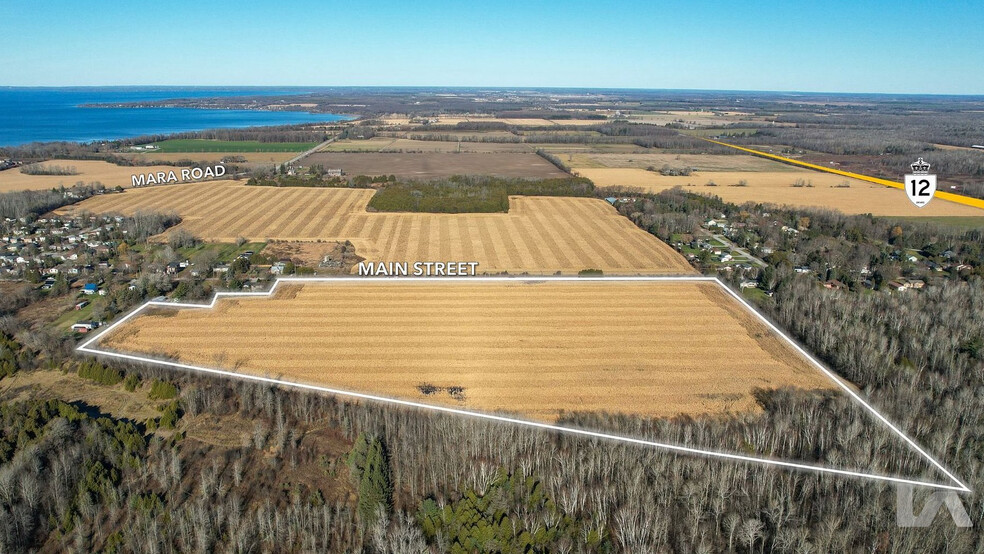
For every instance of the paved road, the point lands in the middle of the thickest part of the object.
(741, 251)
(735, 248)
(311, 151)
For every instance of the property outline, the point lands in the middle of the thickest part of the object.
(960, 486)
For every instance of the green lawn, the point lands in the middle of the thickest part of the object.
(234, 146)
(69, 318)
(755, 294)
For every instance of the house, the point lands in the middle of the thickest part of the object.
(725, 257)
(278, 268)
(834, 284)
(333, 173)
(748, 285)
(85, 326)
(897, 286)
(915, 284)
(801, 269)
(173, 268)
(90, 288)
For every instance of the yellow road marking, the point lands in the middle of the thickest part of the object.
(949, 196)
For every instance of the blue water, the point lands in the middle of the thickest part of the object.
(53, 114)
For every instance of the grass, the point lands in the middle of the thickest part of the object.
(202, 145)
(69, 318)
(756, 294)
(470, 195)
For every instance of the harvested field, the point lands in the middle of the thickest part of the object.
(89, 171)
(393, 144)
(539, 234)
(776, 187)
(534, 348)
(435, 165)
(699, 162)
(519, 122)
(701, 118)
(456, 135)
(231, 146)
(251, 157)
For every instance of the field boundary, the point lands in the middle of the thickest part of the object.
(86, 347)
(941, 194)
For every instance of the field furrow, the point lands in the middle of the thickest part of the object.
(537, 349)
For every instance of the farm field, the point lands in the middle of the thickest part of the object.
(453, 135)
(394, 144)
(433, 165)
(538, 349)
(538, 234)
(230, 146)
(89, 171)
(698, 162)
(776, 187)
(250, 157)
(519, 122)
(700, 118)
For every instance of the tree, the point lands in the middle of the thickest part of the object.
(375, 488)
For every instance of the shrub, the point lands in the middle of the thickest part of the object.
(99, 373)
(162, 390)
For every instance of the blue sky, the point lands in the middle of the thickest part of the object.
(830, 46)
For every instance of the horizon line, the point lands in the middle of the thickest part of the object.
(502, 88)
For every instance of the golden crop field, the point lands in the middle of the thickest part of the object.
(776, 187)
(89, 171)
(534, 348)
(538, 234)
(699, 162)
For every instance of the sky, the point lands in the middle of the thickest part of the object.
(896, 46)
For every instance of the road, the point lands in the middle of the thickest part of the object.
(311, 151)
(737, 249)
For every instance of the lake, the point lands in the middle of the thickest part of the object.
(54, 114)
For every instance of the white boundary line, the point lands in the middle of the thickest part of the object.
(84, 347)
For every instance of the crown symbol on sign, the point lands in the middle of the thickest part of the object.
(920, 167)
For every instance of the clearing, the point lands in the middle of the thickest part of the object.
(539, 234)
(535, 348)
(431, 165)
